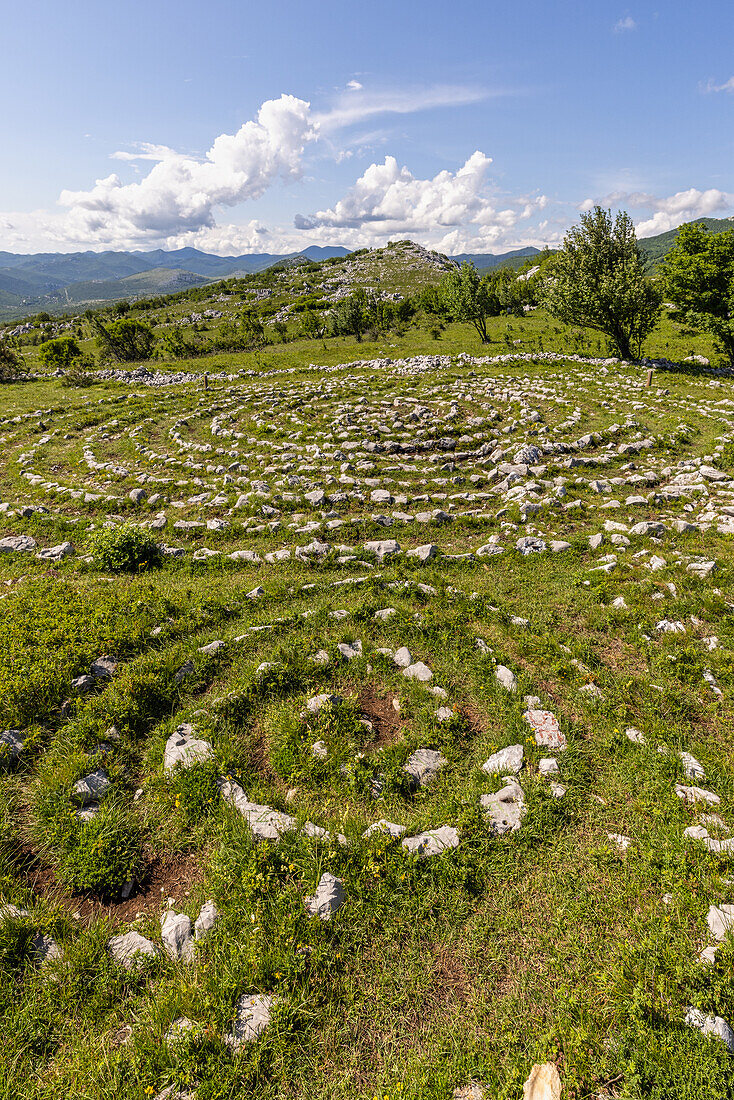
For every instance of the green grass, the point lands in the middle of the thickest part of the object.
(548, 944)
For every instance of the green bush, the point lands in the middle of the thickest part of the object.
(105, 856)
(124, 549)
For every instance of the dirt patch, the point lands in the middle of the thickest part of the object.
(170, 877)
(453, 985)
(386, 721)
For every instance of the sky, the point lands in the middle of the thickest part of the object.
(471, 126)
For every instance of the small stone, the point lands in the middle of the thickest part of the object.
(423, 765)
(131, 949)
(252, 1016)
(713, 1027)
(506, 761)
(402, 657)
(544, 1083)
(184, 750)
(546, 728)
(92, 787)
(328, 898)
(506, 677)
(316, 702)
(177, 935)
(432, 842)
(383, 826)
(418, 671)
(505, 808)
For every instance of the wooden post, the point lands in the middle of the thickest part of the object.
(649, 378)
(206, 380)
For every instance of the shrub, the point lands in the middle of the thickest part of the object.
(59, 353)
(12, 365)
(124, 549)
(105, 856)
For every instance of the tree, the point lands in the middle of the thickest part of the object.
(59, 353)
(469, 298)
(312, 325)
(698, 277)
(12, 364)
(173, 344)
(597, 281)
(126, 340)
(349, 317)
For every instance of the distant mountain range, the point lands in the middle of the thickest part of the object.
(54, 281)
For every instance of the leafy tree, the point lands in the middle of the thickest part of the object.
(597, 280)
(698, 276)
(252, 328)
(312, 326)
(12, 364)
(125, 340)
(470, 298)
(349, 317)
(59, 353)
(174, 345)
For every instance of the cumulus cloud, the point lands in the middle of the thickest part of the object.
(670, 211)
(354, 86)
(181, 192)
(625, 24)
(685, 206)
(456, 209)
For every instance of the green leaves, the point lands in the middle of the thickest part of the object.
(699, 279)
(125, 549)
(597, 280)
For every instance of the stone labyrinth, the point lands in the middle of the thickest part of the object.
(413, 618)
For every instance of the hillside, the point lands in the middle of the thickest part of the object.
(654, 248)
(484, 261)
(160, 280)
(51, 282)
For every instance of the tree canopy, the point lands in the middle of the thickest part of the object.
(59, 352)
(468, 297)
(124, 339)
(698, 276)
(597, 281)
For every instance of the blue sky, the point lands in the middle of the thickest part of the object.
(471, 126)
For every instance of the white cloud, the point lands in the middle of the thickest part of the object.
(181, 192)
(144, 150)
(712, 86)
(626, 24)
(667, 212)
(453, 210)
(359, 104)
(177, 198)
(685, 206)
